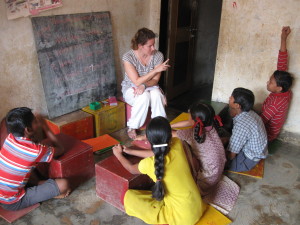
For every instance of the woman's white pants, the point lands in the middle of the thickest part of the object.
(140, 104)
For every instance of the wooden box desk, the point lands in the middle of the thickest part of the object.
(77, 164)
(78, 124)
(113, 180)
(108, 119)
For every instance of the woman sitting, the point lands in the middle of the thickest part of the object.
(143, 66)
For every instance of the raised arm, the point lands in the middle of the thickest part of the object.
(59, 149)
(283, 54)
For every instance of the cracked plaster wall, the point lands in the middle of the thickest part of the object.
(20, 78)
(248, 46)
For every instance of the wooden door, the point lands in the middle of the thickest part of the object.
(181, 26)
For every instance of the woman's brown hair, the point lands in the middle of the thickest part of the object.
(141, 37)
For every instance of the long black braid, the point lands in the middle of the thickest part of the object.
(159, 132)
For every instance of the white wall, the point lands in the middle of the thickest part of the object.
(249, 41)
(20, 79)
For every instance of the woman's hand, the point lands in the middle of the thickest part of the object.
(162, 67)
(139, 90)
(117, 150)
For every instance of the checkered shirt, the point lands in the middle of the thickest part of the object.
(249, 135)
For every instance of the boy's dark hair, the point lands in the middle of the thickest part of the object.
(18, 119)
(283, 79)
(159, 132)
(206, 114)
(244, 97)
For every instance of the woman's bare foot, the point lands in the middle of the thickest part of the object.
(131, 133)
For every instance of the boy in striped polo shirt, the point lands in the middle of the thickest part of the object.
(20, 154)
(275, 107)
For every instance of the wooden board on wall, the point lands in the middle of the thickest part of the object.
(76, 59)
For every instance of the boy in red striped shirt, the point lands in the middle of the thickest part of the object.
(275, 107)
(19, 156)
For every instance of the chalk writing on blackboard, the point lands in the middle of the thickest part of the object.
(75, 54)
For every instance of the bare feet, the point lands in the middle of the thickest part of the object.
(131, 133)
(64, 194)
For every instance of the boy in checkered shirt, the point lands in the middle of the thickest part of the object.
(248, 142)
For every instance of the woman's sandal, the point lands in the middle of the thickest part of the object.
(131, 133)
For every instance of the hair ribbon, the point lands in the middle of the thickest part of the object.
(199, 121)
(218, 118)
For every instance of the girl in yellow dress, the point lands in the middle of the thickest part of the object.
(175, 198)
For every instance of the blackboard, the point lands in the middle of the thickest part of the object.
(76, 59)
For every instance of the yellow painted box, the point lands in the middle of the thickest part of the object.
(108, 119)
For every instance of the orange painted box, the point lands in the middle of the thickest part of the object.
(78, 124)
(108, 119)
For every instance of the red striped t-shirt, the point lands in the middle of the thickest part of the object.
(18, 157)
(276, 105)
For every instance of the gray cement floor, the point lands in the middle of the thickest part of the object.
(273, 200)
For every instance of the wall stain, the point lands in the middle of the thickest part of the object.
(287, 165)
(94, 207)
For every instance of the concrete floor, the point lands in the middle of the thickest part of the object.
(273, 200)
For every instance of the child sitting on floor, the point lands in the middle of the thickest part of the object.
(175, 198)
(248, 142)
(207, 146)
(19, 156)
(275, 107)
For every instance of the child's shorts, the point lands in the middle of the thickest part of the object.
(35, 194)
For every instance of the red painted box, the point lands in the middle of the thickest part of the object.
(113, 180)
(77, 164)
(78, 124)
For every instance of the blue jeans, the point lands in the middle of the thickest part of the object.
(241, 163)
(35, 194)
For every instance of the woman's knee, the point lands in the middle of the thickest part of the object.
(156, 94)
(143, 98)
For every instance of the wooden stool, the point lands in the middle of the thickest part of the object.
(128, 114)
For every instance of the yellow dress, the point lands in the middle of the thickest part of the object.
(182, 203)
